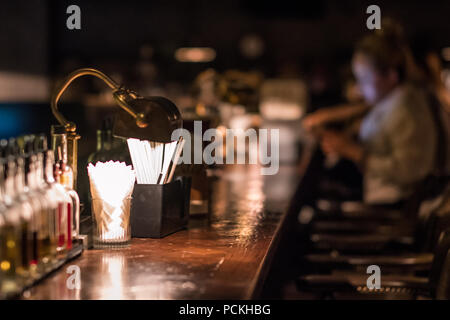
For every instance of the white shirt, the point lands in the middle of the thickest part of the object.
(400, 140)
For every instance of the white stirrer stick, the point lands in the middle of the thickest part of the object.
(159, 158)
(176, 157)
(168, 156)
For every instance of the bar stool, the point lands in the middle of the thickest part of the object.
(393, 286)
(417, 255)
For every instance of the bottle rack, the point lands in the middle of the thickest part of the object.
(76, 251)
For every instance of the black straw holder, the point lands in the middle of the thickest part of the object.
(158, 210)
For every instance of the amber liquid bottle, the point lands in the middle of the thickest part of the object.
(45, 249)
(13, 227)
(64, 176)
(48, 220)
(57, 193)
(59, 145)
(64, 181)
(29, 241)
(31, 197)
(62, 214)
(10, 237)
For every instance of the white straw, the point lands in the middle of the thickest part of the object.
(152, 160)
(134, 159)
(144, 161)
(149, 155)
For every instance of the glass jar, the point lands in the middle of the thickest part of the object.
(111, 223)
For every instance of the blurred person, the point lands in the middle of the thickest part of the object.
(352, 93)
(397, 139)
(352, 107)
(342, 176)
(428, 71)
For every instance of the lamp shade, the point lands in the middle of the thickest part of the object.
(159, 118)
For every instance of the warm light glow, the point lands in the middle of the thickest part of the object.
(114, 266)
(112, 184)
(222, 130)
(5, 265)
(280, 110)
(195, 54)
(446, 54)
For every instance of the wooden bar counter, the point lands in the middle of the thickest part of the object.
(223, 255)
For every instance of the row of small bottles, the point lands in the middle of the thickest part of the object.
(39, 211)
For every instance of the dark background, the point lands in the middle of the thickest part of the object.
(299, 36)
(35, 39)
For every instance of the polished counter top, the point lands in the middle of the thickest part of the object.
(223, 255)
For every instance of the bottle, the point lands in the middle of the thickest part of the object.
(58, 193)
(13, 235)
(2, 224)
(65, 178)
(64, 214)
(59, 146)
(49, 194)
(25, 192)
(108, 147)
(10, 235)
(44, 205)
(31, 207)
(102, 152)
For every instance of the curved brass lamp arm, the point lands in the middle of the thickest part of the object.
(70, 126)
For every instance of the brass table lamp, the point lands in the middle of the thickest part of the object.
(149, 118)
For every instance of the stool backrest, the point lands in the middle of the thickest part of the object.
(430, 187)
(440, 267)
(433, 218)
(443, 287)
